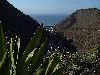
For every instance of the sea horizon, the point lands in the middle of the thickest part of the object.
(49, 19)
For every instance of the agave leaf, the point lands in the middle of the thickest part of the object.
(52, 64)
(6, 67)
(35, 42)
(44, 66)
(57, 67)
(24, 65)
(31, 54)
(37, 58)
(12, 58)
(39, 72)
(60, 70)
(3, 61)
(3, 48)
(35, 61)
(15, 54)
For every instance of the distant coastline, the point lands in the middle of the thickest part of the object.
(48, 19)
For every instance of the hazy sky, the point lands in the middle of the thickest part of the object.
(53, 6)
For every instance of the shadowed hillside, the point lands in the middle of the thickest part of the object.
(15, 21)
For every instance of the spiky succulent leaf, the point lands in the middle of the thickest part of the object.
(35, 62)
(3, 48)
(3, 60)
(39, 72)
(12, 57)
(5, 64)
(44, 66)
(37, 59)
(52, 64)
(35, 42)
(6, 67)
(59, 71)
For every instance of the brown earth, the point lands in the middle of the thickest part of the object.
(83, 26)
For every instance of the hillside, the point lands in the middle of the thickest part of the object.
(15, 22)
(83, 26)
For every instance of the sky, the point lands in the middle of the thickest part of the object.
(53, 6)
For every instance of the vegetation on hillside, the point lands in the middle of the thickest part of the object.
(34, 61)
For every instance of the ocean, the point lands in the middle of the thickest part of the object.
(48, 20)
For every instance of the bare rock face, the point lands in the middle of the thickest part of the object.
(83, 26)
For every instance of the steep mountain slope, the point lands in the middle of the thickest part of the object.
(83, 26)
(15, 21)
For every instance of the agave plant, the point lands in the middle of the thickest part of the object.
(32, 61)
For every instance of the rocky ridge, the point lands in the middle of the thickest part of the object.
(83, 26)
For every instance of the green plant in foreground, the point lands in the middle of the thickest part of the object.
(32, 61)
